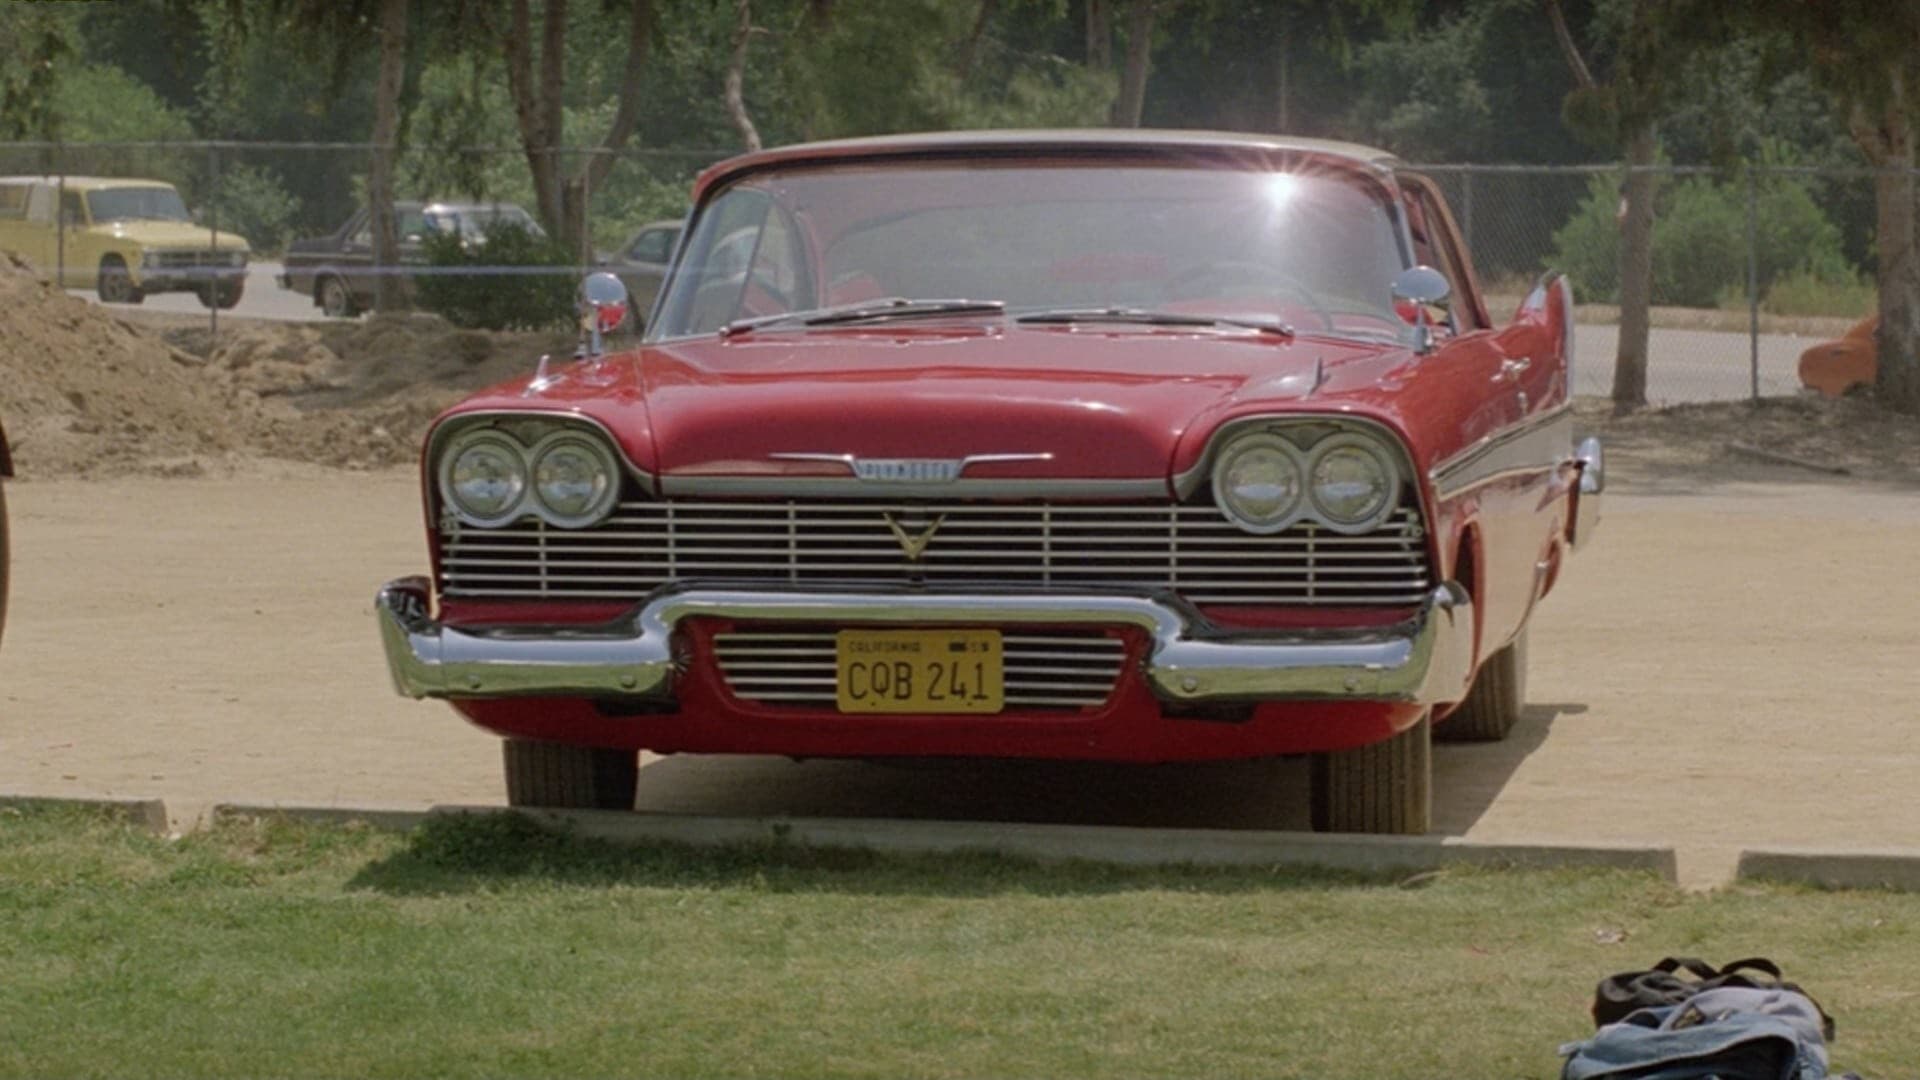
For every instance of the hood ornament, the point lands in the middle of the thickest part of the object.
(914, 545)
(909, 470)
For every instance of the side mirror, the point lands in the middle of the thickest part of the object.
(603, 307)
(1422, 287)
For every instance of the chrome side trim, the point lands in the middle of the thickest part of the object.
(1423, 659)
(1537, 444)
(1587, 498)
(848, 487)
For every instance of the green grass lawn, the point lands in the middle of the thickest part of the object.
(486, 947)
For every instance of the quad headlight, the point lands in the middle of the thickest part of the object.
(1260, 483)
(568, 478)
(575, 478)
(1353, 482)
(1346, 481)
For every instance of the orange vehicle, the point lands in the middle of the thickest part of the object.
(1835, 367)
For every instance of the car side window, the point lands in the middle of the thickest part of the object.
(1433, 244)
(13, 201)
(72, 211)
(652, 246)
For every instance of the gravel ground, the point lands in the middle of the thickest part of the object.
(1728, 666)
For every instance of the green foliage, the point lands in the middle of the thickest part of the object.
(536, 300)
(101, 103)
(252, 202)
(907, 47)
(1700, 240)
(1802, 292)
(1422, 94)
(36, 42)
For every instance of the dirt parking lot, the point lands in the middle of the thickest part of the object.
(1728, 666)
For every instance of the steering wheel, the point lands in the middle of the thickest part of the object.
(1243, 277)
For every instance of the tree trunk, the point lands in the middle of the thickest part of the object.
(388, 295)
(970, 49)
(561, 199)
(530, 116)
(1636, 273)
(1889, 145)
(1099, 36)
(1133, 77)
(736, 75)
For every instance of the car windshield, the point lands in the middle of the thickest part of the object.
(1313, 249)
(475, 222)
(136, 203)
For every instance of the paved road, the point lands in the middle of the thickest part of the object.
(1691, 365)
(1688, 365)
(262, 299)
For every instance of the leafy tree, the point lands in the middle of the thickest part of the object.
(37, 41)
(1700, 249)
(1619, 110)
(1867, 53)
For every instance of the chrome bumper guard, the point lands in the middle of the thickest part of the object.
(1423, 659)
(1593, 485)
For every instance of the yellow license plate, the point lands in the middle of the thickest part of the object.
(920, 671)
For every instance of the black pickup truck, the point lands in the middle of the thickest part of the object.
(338, 271)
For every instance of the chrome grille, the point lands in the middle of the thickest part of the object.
(1192, 550)
(184, 260)
(1042, 670)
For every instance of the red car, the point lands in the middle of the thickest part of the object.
(1102, 445)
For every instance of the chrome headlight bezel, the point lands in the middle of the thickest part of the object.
(1383, 460)
(450, 457)
(1241, 445)
(602, 455)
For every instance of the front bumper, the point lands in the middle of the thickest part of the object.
(1424, 659)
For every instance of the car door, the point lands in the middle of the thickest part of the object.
(355, 256)
(644, 264)
(1507, 486)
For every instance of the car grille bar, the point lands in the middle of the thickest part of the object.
(1185, 548)
(186, 260)
(1042, 671)
(1192, 550)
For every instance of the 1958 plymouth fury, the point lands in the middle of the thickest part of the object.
(1110, 446)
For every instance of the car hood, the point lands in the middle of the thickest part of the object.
(173, 234)
(1098, 403)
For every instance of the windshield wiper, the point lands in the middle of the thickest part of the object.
(1144, 317)
(891, 307)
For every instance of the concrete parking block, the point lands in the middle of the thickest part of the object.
(1864, 869)
(150, 814)
(395, 819)
(1109, 844)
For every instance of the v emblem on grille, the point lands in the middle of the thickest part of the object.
(914, 545)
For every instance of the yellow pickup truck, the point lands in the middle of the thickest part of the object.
(125, 238)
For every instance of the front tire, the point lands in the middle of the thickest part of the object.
(1386, 787)
(115, 284)
(562, 776)
(1494, 704)
(223, 296)
(335, 298)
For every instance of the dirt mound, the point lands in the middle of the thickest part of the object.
(1799, 438)
(84, 393)
(89, 391)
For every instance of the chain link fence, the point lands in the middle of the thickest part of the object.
(1751, 266)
